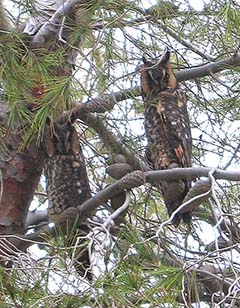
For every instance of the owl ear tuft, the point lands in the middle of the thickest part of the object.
(165, 56)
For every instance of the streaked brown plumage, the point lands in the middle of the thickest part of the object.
(167, 129)
(68, 187)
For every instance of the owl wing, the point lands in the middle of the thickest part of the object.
(173, 113)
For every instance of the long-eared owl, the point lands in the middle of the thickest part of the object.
(167, 129)
(68, 187)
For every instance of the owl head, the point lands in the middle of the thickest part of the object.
(62, 139)
(157, 74)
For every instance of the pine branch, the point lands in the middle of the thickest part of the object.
(135, 179)
(207, 275)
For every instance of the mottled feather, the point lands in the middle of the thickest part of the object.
(167, 129)
(67, 187)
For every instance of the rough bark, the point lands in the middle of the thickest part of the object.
(20, 173)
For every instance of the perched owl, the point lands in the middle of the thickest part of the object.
(167, 129)
(68, 186)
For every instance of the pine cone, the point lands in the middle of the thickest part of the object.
(118, 170)
(201, 187)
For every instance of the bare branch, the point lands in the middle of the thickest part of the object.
(190, 173)
(208, 69)
(101, 104)
(54, 23)
(35, 217)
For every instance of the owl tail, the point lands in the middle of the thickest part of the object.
(82, 262)
(173, 195)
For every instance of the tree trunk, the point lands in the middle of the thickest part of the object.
(20, 173)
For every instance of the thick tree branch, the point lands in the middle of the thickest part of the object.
(101, 104)
(190, 173)
(133, 179)
(45, 33)
(138, 178)
(208, 69)
(22, 242)
(36, 217)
